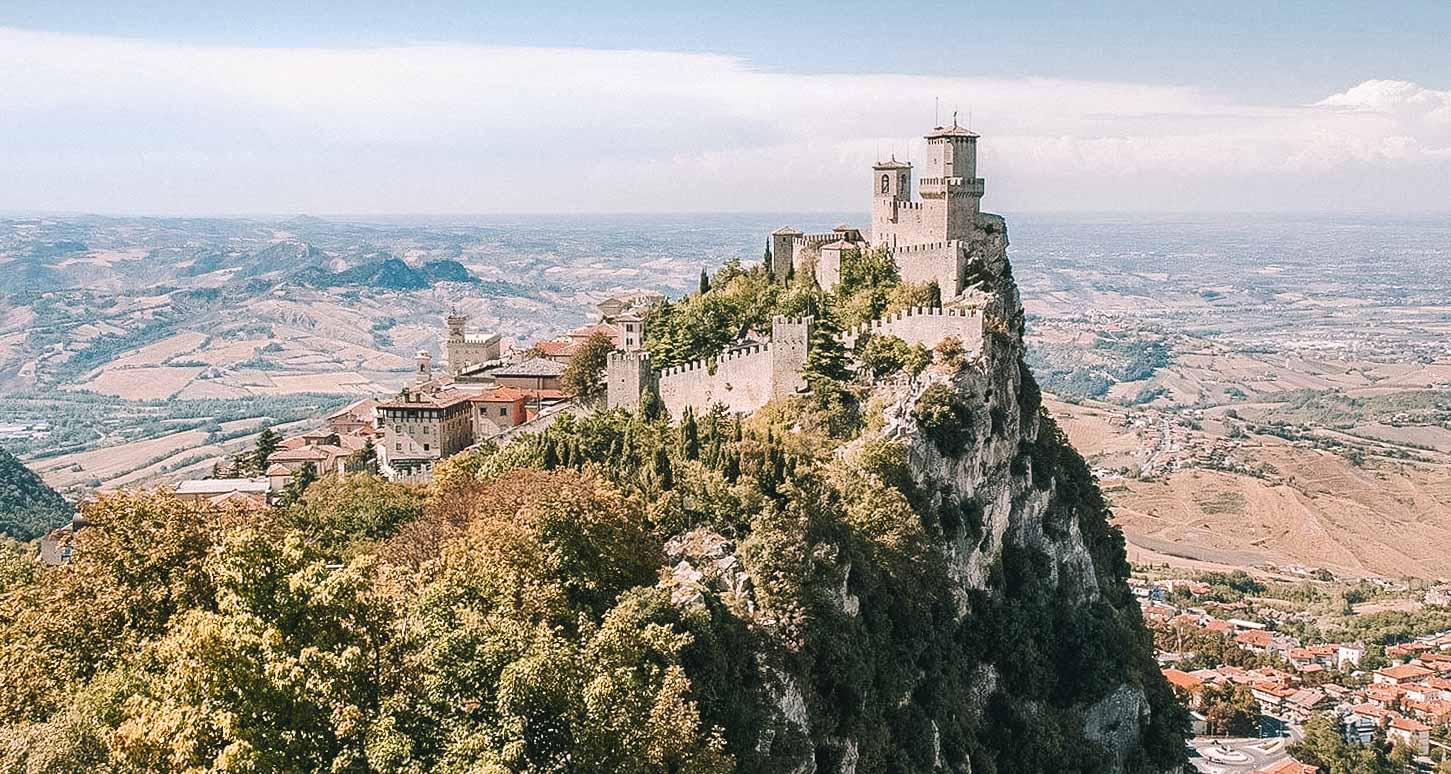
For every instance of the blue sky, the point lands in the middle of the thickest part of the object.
(448, 106)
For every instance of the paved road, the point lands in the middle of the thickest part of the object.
(1236, 756)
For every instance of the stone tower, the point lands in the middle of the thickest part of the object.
(891, 192)
(790, 340)
(456, 325)
(951, 191)
(632, 331)
(627, 376)
(783, 251)
(425, 368)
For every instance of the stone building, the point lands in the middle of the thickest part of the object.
(465, 349)
(421, 427)
(742, 379)
(933, 237)
(535, 374)
(498, 410)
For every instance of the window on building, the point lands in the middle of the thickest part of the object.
(425, 447)
(503, 411)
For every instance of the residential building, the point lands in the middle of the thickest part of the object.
(1410, 733)
(1288, 766)
(422, 426)
(1405, 673)
(538, 374)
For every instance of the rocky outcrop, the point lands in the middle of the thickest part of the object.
(1039, 661)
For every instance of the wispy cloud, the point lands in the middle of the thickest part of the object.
(113, 124)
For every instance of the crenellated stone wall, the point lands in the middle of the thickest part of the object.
(927, 326)
(627, 376)
(741, 380)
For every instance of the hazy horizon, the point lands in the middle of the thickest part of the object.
(450, 109)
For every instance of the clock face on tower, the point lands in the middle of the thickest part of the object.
(886, 184)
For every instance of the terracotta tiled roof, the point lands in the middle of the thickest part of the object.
(501, 395)
(1182, 680)
(537, 366)
(1405, 672)
(1407, 724)
(1288, 766)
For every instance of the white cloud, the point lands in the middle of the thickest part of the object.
(123, 125)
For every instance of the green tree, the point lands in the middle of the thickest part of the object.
(28, 508)
(664, 471)
(268, 442)
(703, 286)
(297, 486)
(342, 511)
(689, 435)
(826, 361)
(585, 375)
(885, 355)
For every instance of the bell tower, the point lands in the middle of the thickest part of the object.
(891, 191)
(951, 190)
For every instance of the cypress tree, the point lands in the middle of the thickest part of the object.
(825, 356)
(664, 476)
(766, 261)
(551, 455)
(689, 435)
(704, 281)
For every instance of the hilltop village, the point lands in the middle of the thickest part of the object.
(1249, 659)
(484, 393)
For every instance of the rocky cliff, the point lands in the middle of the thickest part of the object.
(996, 634)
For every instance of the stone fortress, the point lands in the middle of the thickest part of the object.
(933, 239)
(937, 239)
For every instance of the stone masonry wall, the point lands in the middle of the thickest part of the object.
(742, 382)
(926, 326)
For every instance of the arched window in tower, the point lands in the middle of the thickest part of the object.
(886, 184)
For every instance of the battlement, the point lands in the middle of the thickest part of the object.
(637, 356)
(929, 247)
(818, 239)
(720, 360)
(927, 326)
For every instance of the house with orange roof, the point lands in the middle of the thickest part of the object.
(1384, 695)
(1288, 766)
(1410, 733)
(1184, 683)
(1405, 673)
(499, 409)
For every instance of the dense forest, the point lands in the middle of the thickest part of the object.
(621, 592)
(28, 508)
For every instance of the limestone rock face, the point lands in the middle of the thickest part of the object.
(1039, 561)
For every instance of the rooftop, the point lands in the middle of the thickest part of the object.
(216, 486)
(536, 366)
(501, 395)
(951, 131)
(1405, 672)
(435, 400)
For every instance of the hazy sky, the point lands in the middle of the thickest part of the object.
(467, 107)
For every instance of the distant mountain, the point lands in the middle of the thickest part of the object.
(28, 508)
(445, 270)
(389, 273)
(284, 257)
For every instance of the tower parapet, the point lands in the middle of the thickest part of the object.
(627, 377)
(790, 341)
